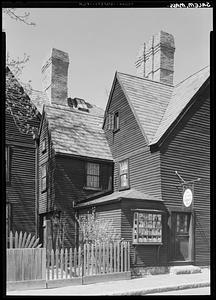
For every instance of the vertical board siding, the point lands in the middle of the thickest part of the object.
(188, 152)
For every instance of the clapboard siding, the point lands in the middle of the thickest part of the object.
(188, 151)
(129, 137)
(20, 192)
(47, 198)
(144, 166)
(111, 212)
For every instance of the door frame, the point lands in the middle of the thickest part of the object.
(172, 211)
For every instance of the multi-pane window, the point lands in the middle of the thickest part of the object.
(7, 163)
(182, 223)
(147, 227)
(116, 121)
(123, 174)
(93, 175)
(43, 178)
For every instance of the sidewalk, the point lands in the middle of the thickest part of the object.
(141, 286)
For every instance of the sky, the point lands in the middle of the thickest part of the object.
(101, 41)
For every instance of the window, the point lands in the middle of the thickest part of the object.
(116, 121)
(147, 227)
(109, 125)
(43, 146)
(123, 174)
(93, 175)
(7, 164)
(43, 178)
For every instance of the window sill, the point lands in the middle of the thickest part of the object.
(92, 188)
(124, 188)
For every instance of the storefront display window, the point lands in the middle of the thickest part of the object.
(147, 227)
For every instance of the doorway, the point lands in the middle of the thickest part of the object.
(181, 236)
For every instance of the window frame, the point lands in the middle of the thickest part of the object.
(89, 174)
(153, 234)
(116, 122)
(127, 173)
(44, 178)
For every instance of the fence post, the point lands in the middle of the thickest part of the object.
(118, 257)
(128, 256)
(79, 261)
(62, 262)
(70, 262)
(52, 263)
(122, 257)
(111, 258)
(75, 262)
(57, 261)
(66, 263)
(99, 257)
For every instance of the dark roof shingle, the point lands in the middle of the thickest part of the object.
(76, 132)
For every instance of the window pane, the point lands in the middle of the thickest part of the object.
(124, 180)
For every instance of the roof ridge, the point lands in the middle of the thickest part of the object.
(191, 76)
(65, 108)
(144, 78)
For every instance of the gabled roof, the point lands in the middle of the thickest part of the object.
(181, 96)
(156, 105)
(127, 194)
(149, 100)
(76, 132)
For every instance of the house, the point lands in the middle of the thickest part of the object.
(74, 158)
(159, 136)
(20, 168)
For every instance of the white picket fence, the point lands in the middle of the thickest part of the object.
(88, 260)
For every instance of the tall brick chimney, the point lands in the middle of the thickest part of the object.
(155, 59)
(55, 77)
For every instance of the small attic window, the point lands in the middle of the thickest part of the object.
(81, 104)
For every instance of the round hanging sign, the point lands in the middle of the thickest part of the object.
(187, 197)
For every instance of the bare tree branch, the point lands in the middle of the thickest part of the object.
(11, 12)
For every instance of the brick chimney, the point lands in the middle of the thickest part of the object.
(55, 77)
(155, 59)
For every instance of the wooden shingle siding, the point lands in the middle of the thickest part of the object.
(188, 152)
(129, 137)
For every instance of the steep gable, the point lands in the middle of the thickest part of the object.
(181, 97)
(149, 100)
